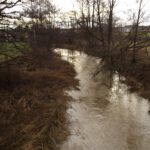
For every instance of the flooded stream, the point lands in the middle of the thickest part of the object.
(103, 114)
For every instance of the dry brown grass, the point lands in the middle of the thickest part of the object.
(33, 104)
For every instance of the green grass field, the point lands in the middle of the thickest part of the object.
(9, 50)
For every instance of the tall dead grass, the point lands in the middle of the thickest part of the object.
(33, 104)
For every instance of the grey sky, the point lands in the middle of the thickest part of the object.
(121, 10)
(124, 9)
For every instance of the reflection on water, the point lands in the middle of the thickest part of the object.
(104, 114)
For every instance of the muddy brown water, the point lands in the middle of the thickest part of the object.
(103, 114)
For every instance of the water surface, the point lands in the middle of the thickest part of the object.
(104, 115)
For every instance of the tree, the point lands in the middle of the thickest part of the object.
(111, 5)
(5, 4)
(7, 17)
(100, 17)
(136, 26)
(41, 14)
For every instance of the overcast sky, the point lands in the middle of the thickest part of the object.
(125, 7)
(121, 10)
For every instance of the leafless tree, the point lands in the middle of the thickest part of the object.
(100, 18)
(111, 5)
(41, 14)
(136, 26)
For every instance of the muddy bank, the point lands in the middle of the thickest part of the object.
(33, 104)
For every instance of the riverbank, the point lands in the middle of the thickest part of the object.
(33, 104)
(101, 107)
(137, 74)
(138, 79)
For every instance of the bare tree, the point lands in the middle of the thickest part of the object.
(41, 14)
(7, 16)
(136, 26)
(111, 5)
(93, 13)
(100, 18)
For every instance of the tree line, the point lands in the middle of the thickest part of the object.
(35, 22)
(98, 18)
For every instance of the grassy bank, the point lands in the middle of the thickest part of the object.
(12, 50)
(33, 104)
(137, 74)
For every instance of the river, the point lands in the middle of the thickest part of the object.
(104, 114)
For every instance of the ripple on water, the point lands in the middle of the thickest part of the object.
(104, 114)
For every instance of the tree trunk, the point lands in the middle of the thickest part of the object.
(136, 33)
